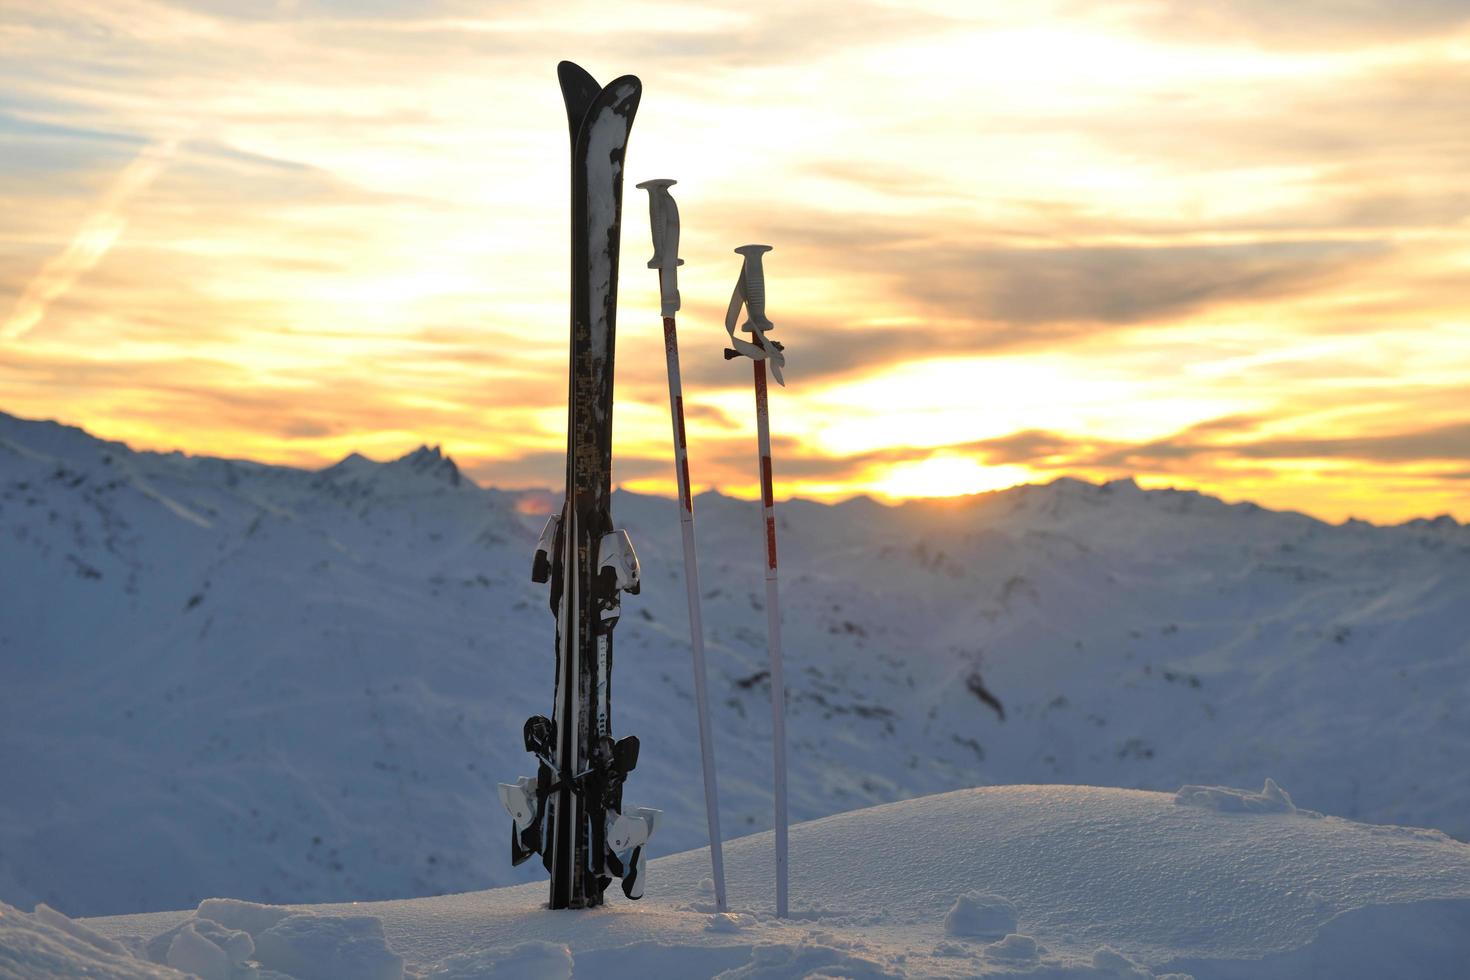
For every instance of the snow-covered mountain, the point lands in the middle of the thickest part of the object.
(219, 677)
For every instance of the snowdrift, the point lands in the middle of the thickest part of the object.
(1040, 881)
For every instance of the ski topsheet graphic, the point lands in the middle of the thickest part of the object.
(571, 812)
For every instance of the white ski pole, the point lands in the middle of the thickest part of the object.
(750, 292)
(664, 220)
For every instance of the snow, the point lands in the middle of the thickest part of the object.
(1086, 882)
(1271, 799)
(980, 914)
(189, 952)
(529, 961)
(318, 947)
(44, 944)
(219, 678)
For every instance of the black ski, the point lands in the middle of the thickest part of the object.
(564, 813)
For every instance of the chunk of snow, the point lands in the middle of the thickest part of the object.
(728, 922)
(235, 943)
(1014, 948)
(328, 947)
(192, 953)
(980, 915)
(46, 914)
(48, 944)
(1222, 799)
(248, 917)
(1115, 964)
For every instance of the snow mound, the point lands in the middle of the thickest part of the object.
(1097, 884)
(226, 939)
(47, 944)
(978, 914)
(1222, 799)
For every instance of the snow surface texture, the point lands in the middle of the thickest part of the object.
(223, 678)
(1078, 883)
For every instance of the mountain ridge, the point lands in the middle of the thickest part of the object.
(431, 459)
(356, 654)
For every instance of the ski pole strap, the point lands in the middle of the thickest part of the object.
(750, 293)
(663, 221)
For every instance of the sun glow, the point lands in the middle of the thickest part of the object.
(947, 476)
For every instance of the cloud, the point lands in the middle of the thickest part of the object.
(1126, 285)
(1299, 23)
(984, 298)
(750, 36)
(1043, 450)
(364, 241)
(89, 245)
(952, 267)
(1440, 442)
(1032, 446)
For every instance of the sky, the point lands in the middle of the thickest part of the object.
(1219, 245)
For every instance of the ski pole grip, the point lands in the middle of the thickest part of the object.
(754, 277)
(663, 222)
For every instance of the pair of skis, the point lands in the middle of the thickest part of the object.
(571, 812)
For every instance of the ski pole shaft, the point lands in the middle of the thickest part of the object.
(663, 222)
(696, 619)
(773, 635)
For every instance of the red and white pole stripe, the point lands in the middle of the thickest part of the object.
(696, 619)
(773, 635)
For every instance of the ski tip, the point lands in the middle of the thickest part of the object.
(628, 89)
(568, 71)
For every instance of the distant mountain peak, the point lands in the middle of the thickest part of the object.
(425, 461)
(430, 461)
(1442, 521)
